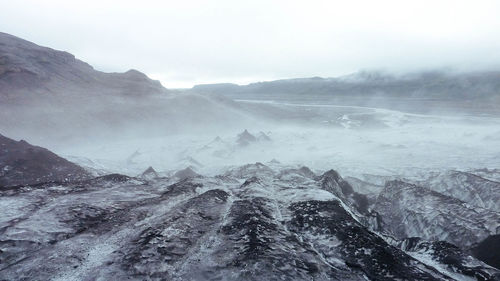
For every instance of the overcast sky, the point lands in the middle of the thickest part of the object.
(183, 42)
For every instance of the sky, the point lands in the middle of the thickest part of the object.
(183, 43)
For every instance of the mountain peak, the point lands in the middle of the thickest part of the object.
(186, 173)
(133, 73)
(25, 65)
(149, 173)
(245, 138)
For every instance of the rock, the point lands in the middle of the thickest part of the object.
(270, 227)
(467, 187)
(149, 174)
(185, 174)
(263, 137)
(408, 210)
(245, 138)
(450, 258)
(24, 164)
(487, 250)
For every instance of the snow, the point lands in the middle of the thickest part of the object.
(426, 258)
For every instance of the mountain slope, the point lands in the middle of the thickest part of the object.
(407, 210)
(475, 92)
(253, 223)
(25, 164)
(45, 92)
(27, 66)
(467, 187)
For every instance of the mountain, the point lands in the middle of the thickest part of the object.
(448, 257)
(263, 137)
(149, 174)
(205, 217)
(432, 91)
(29, 69)
(467, 187)
(488, 250)
(49, 96)
(252, 223)
(408, 210)
(185, 174)
(24, 164)
(245, 138)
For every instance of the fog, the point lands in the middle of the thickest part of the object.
(262, 140)
(357, 141)
(398, 121)
(365, 123)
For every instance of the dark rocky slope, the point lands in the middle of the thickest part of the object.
(467, 187)
(24, 164)
(252, 223)
(408, 210)
(488, 249)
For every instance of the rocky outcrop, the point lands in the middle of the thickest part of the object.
(245, 138)
(487, 250)
(467, 187)
(448, 258)
(149, 174)
(408, 210)
(24, 164)
(185, 174)
(250, 224)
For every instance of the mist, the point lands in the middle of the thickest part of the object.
(250, 141)
(355, 140)
(367, 122)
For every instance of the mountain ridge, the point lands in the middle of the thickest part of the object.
(26, 65)
(422, 92)
(46, 92)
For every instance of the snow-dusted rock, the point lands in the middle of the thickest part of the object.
(252, 223)
(467, 187)
(408, 210)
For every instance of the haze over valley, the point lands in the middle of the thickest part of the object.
(373, 175)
